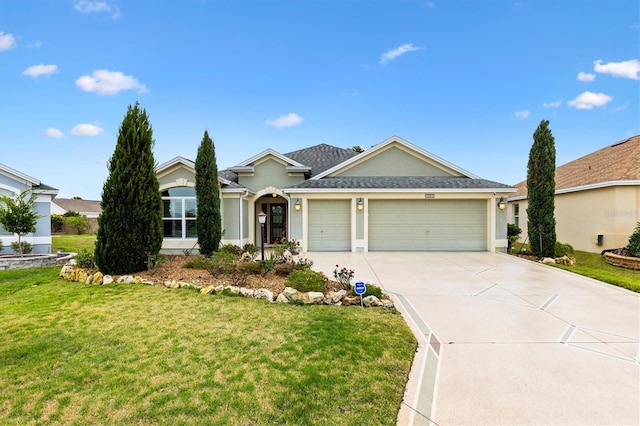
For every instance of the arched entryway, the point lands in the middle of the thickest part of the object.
(275, 207)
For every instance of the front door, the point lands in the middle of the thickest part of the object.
(277, 223)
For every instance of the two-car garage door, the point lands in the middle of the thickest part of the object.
(427, 225)
(401, 225)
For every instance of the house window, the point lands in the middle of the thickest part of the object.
(516, 214)
(8, 194)
(179, 210)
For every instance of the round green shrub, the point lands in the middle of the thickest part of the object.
(633, 248)
(305, 280)
(84, 259)
(372, 290)
(563, 249)
(231, 248)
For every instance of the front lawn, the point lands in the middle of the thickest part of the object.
(73, 242)
(593, 265)
(134, 354)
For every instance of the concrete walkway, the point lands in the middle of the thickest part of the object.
(508, 341)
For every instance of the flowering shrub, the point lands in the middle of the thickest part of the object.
(343, 276)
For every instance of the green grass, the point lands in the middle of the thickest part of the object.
(72, 242)
(132, 354)
(593, 265)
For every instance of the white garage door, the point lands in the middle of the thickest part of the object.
(329, 225)
(424, 225)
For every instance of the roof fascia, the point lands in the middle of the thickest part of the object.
(28, 179)
(588, 187)
(392, 190)
(266, 153)
(174, 161)
(406, 144)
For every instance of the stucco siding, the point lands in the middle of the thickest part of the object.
(394, 162)
(11, 184)
(175, 175)
(581, 216)
(269, 173)
(230, 215)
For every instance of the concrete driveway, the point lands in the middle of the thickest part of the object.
(508, 341)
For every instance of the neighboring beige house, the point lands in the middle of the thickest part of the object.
(89, 208)
(392, 197)
(597, 204)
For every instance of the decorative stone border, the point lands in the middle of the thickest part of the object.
(626, 262)
(34, 260)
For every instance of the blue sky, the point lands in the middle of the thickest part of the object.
(466, 80)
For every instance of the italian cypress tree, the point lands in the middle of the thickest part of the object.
(208, 220)
(541, 187)
(130, 225)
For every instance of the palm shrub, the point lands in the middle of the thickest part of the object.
(208, 219)
(633, 247)
(563, 249)
(130, 225)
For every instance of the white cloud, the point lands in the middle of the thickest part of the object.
(36, 71)
(53, 133)
(554, 104)
(621, 107)
(105, 82)
(35, 45)
(288, 120)
(588, 100)
(585, 76)
(87, 130)
(87, 6)
(7, 41)
(523, 114)
(627, 69)
(394, 53)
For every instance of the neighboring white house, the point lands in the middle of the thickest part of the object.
(393, 196)
(13, 183)
(597, 203)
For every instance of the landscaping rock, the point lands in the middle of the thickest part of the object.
(291, 294)
(334, 297)
(97, 278)
(566, 260)
(282, 298)
(388, 304)
(89, 279)
(263, 293)
(126, 279)
(210, 289)
(219, 288)
(312, 298)
(107, 279)
(351, 300)
(548, 261)
(370, 301)
(175, 284)
(246, 292)
(232, 289)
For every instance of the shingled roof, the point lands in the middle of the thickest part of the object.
(321, 157)
(400, 182)
(618, 162)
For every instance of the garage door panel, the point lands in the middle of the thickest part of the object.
(329, 225)
(423, 225)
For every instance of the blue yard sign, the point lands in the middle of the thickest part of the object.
(360, 288)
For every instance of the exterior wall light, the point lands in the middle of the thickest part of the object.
(297, 205)
(502, 203)
(262, 218)
(360, 203)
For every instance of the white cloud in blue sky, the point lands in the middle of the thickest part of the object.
(105, 82)
(554, 104)
(36, 71)
(522, 114)
(288, 120)
(586, 77)
(52, 132)
(398, 51)
(589, 100)
(87, 6)
(627, 69)
(7, 41)
(87, 130)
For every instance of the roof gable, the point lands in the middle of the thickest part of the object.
(249, 164)
(434, 165)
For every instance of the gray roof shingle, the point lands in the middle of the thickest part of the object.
(321, 157)
(400, 182)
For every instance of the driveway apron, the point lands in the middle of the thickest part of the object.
(508, 341)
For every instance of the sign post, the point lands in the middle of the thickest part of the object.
(360, 288)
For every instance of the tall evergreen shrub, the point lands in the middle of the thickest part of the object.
(541, 187)
(208, 219)
(130, 225)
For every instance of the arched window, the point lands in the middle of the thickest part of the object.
(179, 210)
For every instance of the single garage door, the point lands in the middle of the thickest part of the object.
(424, 225)
(329, 225)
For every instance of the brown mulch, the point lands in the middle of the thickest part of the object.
(172, 269)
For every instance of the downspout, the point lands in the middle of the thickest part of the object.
(241, 221)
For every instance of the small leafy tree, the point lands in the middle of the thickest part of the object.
(513, 234)
(633, 248)
(208, 219)
(17, 216)
(130, 225)
(541, 189)
(80, 223)
(57, 221)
